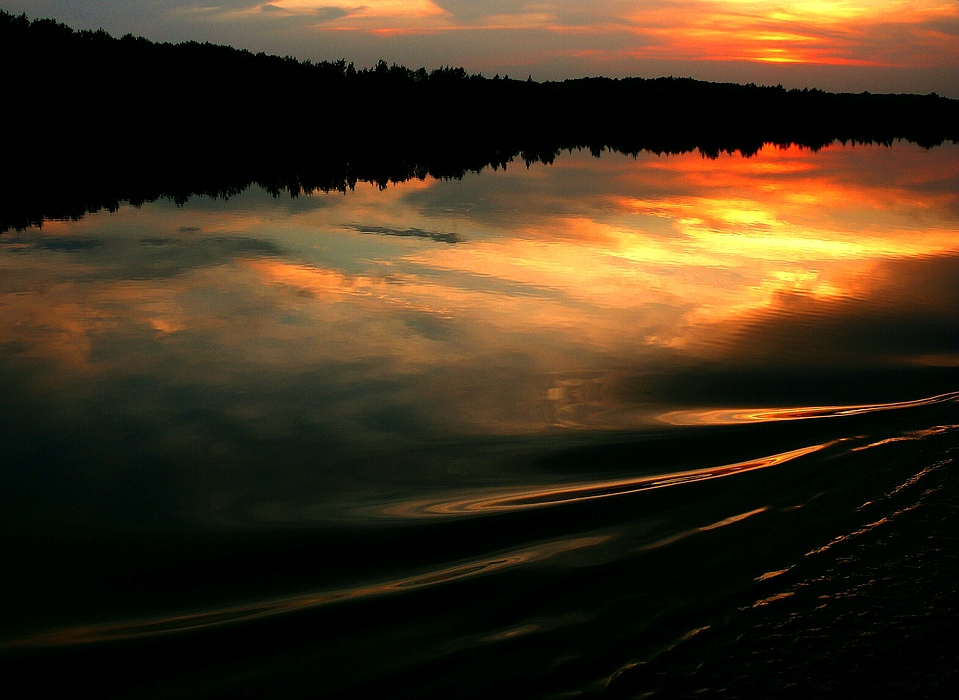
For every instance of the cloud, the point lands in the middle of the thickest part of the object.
(476, 12)
(328, 14)
(437, 236)
(324, 13)
(944, 25)
(312, 17)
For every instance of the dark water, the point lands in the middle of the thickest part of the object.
(626, 427)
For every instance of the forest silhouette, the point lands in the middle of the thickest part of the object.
(94, 121)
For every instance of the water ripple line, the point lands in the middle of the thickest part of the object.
(730, 416)
(869, 527)
(909, 436)
(517, 500)
(215, 617)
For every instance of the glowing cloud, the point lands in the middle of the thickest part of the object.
(889, 32)
(837, 32)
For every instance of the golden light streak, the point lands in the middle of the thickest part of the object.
(574, 493)
(767, 415)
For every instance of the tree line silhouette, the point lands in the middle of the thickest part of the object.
(93, 120)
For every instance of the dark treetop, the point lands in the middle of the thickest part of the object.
(92, 120)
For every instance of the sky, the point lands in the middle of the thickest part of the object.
(847, 45)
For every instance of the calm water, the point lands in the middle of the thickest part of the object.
(616, 425)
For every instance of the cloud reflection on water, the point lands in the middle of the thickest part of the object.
(661, 259)
(590, 294)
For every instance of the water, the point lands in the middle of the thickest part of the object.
(615, 426)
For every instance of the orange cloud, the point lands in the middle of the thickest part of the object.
(837, 32)
(825, 32)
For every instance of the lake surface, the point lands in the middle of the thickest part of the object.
(607, 426)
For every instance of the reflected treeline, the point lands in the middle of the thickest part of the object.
(94, 121)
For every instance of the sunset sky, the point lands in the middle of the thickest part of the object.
(877, 45)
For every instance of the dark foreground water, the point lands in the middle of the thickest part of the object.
(616, 427)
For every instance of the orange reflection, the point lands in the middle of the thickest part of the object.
(765, 415)
(561, 284)
(573, 493)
